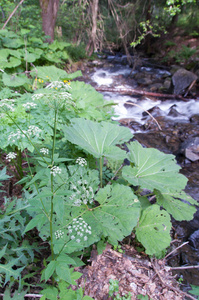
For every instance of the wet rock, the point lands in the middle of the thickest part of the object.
(195, 119)
(154, 111)
(182, 80)
(167, 84)
(127, 105)
(194, 239)
(190, 148)
(173, 112)
(156, 87)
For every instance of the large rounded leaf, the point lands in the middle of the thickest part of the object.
(99, 139)
(153, 230)
(153, 169)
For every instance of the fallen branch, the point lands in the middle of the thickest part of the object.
(27, 295)
(128, 91)
(184, 268)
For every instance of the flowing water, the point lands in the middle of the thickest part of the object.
(175, 116)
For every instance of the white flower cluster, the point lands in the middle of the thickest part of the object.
(32, 131)
(83, 194)
(81, 161)
(45, 151)
(59, 85)
(11, 155)
(55, 170)
(13, 136)
(59, 234)
(29, 105)
(8, 104)
(37, 96)
(79, 230)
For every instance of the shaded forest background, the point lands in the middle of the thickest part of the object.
(93, 25)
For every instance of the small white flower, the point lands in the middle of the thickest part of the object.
(45, 151)
(11, 155)
(72, 237)
(29, 105)
(55, 170)
(8, 104)
(37, 96)
(34, 130)
(59, 234)
(81, 161)
(85, 238)
(78, 240)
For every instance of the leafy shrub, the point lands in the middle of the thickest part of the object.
(63, 134)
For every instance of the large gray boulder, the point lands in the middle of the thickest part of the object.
(182, 79)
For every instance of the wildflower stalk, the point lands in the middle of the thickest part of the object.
(19, 163)
(52, 188)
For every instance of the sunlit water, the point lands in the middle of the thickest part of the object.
(109, 78)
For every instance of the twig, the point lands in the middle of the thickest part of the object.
(183, 268)
(28, 295)
(122, 165)
(134, 104)
(176, 249)
(10, 16)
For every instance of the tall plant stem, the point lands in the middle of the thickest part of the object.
(52, 188)
(101, 161)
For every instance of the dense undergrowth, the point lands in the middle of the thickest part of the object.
(58, 138)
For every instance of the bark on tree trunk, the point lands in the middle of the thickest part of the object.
(92, 45)
(49, 16)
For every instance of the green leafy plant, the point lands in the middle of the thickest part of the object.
(114, 291)
(195, 290)
(66, 154)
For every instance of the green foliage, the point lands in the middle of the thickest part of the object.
(3, 176)
(154, 226)
(195, 290)
(68, 196)
(19, 51)
(99, 139)
(114, 291)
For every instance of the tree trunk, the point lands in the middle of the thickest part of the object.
(49, 16)
(92, 45)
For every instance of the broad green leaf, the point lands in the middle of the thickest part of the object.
(177, 208)
(153, 230)
(15, 80)
(53, 57)
(13, 62)
(49, 293)
(153, 169)
(99, 139)
(30, 57)
(13, 43)
(50, 269)
(16, 53)
(63, 272)
(117, 213)
(90, 103)
(58, 45)
(38, 221)
(50, 73)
